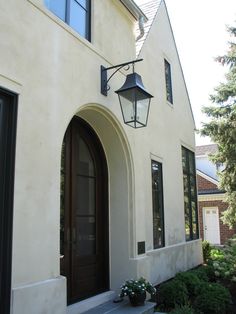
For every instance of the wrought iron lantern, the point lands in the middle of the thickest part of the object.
(133, 97)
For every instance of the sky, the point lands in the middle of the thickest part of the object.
(199, 28)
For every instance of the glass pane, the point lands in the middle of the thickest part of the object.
(58, 7)
(187, 226)
(185, 178)
(191, 163)
(156, 182)
(194, 220)
(1, 124)
(134, 106)
(127, 104)
(157, 233)
(156, 212)
(193, 187)
(78, 18)
(168, 82)
(85, 164)
(157, 198)
(195, 235)
(142, 110)
(186, 202)
(85, 196)
(184, 159)
(86, 236)
(194, 216)
(190, 194)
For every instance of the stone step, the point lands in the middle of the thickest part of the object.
(123, 307)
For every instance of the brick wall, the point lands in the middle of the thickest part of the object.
(204, 184)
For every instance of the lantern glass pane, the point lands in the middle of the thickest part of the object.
(142, 108)
(127, 103)
(135, 106)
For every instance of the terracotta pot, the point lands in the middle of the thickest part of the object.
(138, 299)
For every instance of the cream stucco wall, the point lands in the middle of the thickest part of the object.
(57, 75)
(169, 127)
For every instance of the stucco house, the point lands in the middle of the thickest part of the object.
(211, 202)
(86, 200)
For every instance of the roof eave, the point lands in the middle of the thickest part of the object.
(134, 9)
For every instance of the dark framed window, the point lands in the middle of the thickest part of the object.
(76, 13)
(158, 205)
(190, 195)
(169, 94)
(8, 118)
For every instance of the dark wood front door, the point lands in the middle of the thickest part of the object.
(84, 213)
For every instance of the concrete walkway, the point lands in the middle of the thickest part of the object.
(122, 308)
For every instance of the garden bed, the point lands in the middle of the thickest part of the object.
(207, 289)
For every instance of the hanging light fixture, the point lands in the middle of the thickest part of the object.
(133, 97)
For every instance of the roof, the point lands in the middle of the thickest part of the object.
(134, 9)
(204, 192)
(206, 149)
(149, 8)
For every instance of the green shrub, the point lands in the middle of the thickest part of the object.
(203, 272)
(185, 309)
(172, 293)
(223, 261)
(232, 242)
(212, 298)
(191, 281)
(206, 250)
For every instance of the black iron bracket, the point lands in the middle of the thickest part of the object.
(104, 80)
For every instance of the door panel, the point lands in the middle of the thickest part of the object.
(211, 225)
(84, 240)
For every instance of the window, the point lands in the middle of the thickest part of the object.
(169, 95)
(75, 13)
(190, 194)
(157, 200)
(8, 119)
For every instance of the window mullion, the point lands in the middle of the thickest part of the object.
(88, 20)
(68, 6)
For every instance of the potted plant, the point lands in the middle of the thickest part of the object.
(136, 290)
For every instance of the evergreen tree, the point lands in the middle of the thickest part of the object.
(222, 129)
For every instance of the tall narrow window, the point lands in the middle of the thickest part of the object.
(169, 95)
(8, 118)
(75, 13)
(190, 195)
(158, 208)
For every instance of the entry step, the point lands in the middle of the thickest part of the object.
(123, 307)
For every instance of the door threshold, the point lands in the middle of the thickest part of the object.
(88, 304)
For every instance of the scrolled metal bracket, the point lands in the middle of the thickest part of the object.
(104, 80)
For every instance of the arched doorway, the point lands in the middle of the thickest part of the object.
(84, 213)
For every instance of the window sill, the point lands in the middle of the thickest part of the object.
(165, 248)
(170, 104)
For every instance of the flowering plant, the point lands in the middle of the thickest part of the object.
(136, 287)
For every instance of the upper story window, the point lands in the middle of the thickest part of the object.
(75, 13)
(190, 194)
(169, 94)
(158, 207)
